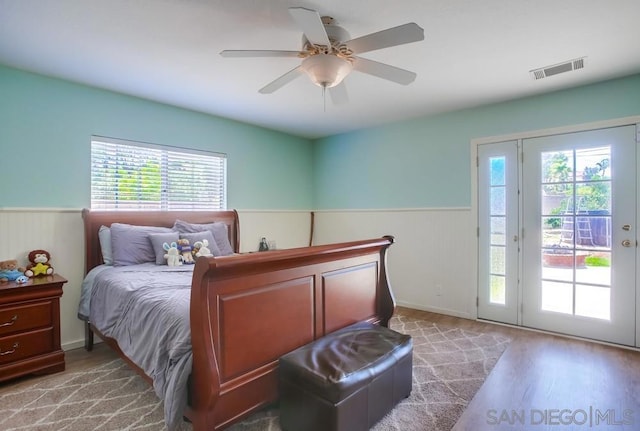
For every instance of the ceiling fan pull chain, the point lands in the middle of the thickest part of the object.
(324, 99)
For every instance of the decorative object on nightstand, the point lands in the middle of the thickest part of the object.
(39, 263)
(30, 327)
(263, 245)
(10, 271)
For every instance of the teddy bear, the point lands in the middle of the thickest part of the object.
(172, 255)
(38, 263)
(201, 248)
(185, 251)
(9, 271)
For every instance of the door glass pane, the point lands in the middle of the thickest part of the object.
(557, 169)
(557, 297)
(593, 163)
(497, 291)
(498, 200)
(593, 197)
(576, 231)
(497, 171)
(498, 230)
(497, 260)
(597, 269)
(593, 301)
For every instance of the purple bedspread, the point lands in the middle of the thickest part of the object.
(145, 308)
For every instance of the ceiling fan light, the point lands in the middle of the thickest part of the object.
(326, 70)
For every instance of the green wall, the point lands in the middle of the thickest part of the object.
(46, 126)
(425, 163)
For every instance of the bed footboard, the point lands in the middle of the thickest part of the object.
(248, 310)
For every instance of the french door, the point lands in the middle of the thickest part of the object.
(574, 244)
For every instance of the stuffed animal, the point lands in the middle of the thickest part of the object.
(38, 263)
(202, 248)
(185, 250)
(9, 271)
(173, 255)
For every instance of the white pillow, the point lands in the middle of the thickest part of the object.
(104, 235)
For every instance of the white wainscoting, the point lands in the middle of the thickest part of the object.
(288, 229)
(431, 264)
(61, 232)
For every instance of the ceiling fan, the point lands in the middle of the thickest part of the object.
(329, 54)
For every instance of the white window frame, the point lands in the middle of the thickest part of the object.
(131, 175)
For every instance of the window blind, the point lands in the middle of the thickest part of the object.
(129, 175)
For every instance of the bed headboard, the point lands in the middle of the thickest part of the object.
(93, 219)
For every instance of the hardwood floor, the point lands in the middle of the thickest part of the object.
(551, 383)
(547, 382)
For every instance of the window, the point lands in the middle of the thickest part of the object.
(128, 175)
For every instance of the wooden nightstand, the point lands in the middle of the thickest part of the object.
(30, 327)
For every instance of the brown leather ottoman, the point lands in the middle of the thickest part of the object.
(345, 381)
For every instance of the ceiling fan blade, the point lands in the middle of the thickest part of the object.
(400, 35)
(339, 94)
(311, 24)
(281, 81)
(259, 53)
(384, 71)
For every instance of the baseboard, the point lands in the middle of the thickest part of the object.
(439, 310)
(559, 334)
(78, 344)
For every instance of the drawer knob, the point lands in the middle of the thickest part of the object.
(10, 322)
(8, 352)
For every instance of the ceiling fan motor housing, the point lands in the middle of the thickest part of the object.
(337, 35)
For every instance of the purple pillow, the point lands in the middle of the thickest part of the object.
(157, 241)
(217, 229)
(130, 244)
(193, 237)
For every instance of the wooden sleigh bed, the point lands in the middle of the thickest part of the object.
(247, 310)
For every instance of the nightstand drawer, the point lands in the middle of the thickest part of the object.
(25, 316)
(20, 346)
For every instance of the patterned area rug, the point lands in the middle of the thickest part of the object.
(449, 366)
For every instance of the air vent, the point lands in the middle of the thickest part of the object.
(567, 66)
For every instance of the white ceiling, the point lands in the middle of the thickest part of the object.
(475, 52)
